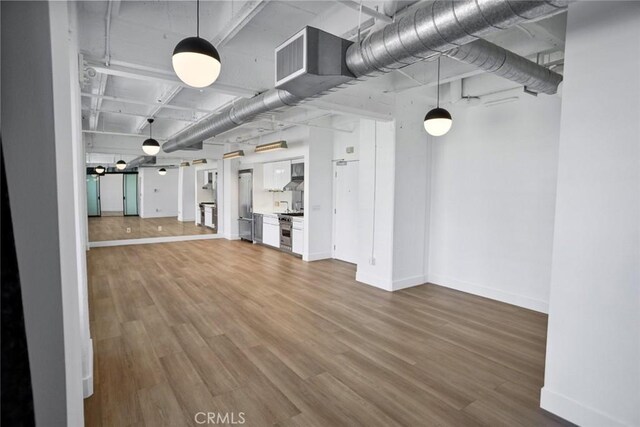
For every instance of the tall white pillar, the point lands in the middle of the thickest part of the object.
(592, 375)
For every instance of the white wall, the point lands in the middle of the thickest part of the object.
(493, 184)
(186, 194)
(52, 313)
(592, 375)
(158, 194)
(111, 192)
(376, 183)
(343, 140)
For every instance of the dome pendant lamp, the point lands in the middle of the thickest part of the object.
(121, 165)
(195, 61)
(150, 146)
(162, 171)
(99, 169)
(438, 121)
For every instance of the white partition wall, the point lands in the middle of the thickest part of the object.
(158, 193)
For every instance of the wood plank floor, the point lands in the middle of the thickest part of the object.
(230, 327)
(110, 227)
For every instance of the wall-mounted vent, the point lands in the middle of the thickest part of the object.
(311, 62)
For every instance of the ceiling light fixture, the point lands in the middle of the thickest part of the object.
(162, 171)
(233, 154)
(199, 162)
(99, 169)
(121, 164)
(150, 146)
(196, 61)
(184, 164)
(272, 146)
(438, 121)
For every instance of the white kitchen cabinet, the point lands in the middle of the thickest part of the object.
(271, 230)
(276, 175)
(282, 174)
(271, 235)
(267, 176)
(297, 236)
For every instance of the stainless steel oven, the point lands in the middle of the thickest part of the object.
(285, 233)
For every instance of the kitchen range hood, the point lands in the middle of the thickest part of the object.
(297, 178)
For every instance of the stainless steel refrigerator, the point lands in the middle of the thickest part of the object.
(245, 208)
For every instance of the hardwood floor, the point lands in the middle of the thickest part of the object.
(227, 327)
(120, 227)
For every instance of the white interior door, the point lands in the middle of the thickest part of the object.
(345, 213)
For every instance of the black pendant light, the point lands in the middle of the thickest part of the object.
(196, 61)
(438, 121)
(162, 171)
(121, 164)
(99, 169)
(150, 146)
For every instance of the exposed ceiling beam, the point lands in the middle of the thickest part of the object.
(147, 104)
(341, 109)
(538, 31)
(165, 98)
(125, 113)
(101, 132)
(357, 6)
(307, 124)
(96, 103)
(238, 21)
(134, 71)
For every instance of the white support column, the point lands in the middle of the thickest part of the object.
(186, 194)
(230, 196)
(592, 373)
(318, 195)
(376, 194)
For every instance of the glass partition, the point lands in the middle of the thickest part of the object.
(130, 194)
(93, 195)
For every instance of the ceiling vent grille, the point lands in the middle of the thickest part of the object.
(311, 62)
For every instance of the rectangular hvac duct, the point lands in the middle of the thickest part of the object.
(311, 62)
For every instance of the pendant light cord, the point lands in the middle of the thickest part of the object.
(438, 89)
(198, 18)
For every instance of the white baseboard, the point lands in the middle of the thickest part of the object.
(492, 293)
(149, 240)
(87, 380)
(317, 256)
(408, 282)
(575, 412)
(373, 280)
(232, 237)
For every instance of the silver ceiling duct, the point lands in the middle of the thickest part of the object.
(442, 27)
(231, 117)
(141, 160)
(494, 59)
(445, 27)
